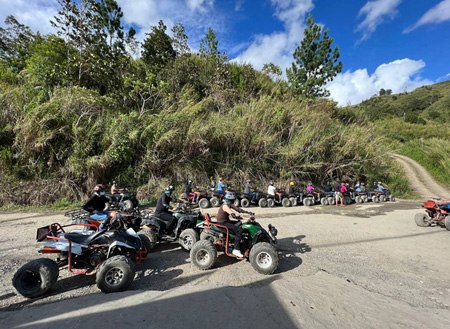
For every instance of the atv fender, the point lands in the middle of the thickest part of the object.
(187, 222)
(118, 243)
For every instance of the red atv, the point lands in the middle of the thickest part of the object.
(437, 213)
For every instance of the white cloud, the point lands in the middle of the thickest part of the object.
(200, 5)
(375, 13)
(399, 75)
(238, 5)
(35, 14)
(438, 14)
(279, 46)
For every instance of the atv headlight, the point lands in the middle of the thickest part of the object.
(273, 231)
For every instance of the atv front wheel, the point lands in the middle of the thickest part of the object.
(262, 203)
(128, 205)
(245, 203)
(293, 201)
(285, 202)
(203, 203)
(375, 199)
(215, 202)
(358, 199)
(236, 203)
(151, 240)
(331, 200)
(308, 202)
(187, 239)
(382, 198)
(115, 274)
(392, 198)
(323, 201)
(422, 220)
(203, 254)
(264, 258)
(270, 203)
(35, 278)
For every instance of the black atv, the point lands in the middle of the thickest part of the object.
(259, 200)
(185, 231)
(217, 198)
(280, 198)
(110, 254)
(124, 201)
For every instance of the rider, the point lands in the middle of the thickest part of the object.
(310, 189)
(212, 185)
(223, 218)
(96, 204)
(221, 187)
(327, 187)
(291, 188)
(358, 187)
(380, 187)
(248, 190)
(115, 188)
(189, 190)
(163, 206)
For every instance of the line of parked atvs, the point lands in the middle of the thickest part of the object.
(205, 200)
(125, 240)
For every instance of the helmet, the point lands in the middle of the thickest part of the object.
(309, 183)
(230, 196)
(114, 182)
(362, 184)
(271, 183)
(379, 182)
(220, 178)
(292, 183)
(169, 189)
(99, 187)
(211, 177)
(189, 181)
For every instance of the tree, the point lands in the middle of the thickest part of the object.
(157, 48)
(272, 70)
(388, 91)
(382, 92)
(315, 62)
(179, 40)
(15, 43)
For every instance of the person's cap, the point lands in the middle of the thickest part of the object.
(379, 182)
(220, 178)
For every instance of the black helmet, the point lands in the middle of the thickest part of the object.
(169, 189)
(99, 188)
(114, 182)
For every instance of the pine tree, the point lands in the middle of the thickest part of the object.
(315, 62)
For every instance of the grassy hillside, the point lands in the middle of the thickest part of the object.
(415, 124)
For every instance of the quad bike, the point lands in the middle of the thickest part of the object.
(362, 196)
(259, 200)
(123, 201)
(259, 245)
(437, 213)
(378, 196)
(186, 231)
(200, 199)
(311, 199)
(280, 198)
(330, 198)
(296, 198)
(217, 198)
(110, 254)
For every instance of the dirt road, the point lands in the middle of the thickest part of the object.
(422, 182)
(360, 266)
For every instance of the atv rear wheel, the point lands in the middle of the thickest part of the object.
(187, 239)
(392, 198)
(262, 202)
(358, 199)
(365, 198)
(214, 201)
(447, 222)
(285, 202)
(152, 238)
(245, 203)
(323, 201)
(422, 220)
(382, 198)
(293, 201)
(270, 203)
(264, 258)
(203, 254)
(308, 202)
(115, 274)
(203, 203)
(375, 199)
(331, 200)
(237, 202)
(128, 205)
(35, 278)
(347, 200)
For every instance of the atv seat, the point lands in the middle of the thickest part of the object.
(81, 238)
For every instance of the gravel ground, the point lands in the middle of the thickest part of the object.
(336, 258)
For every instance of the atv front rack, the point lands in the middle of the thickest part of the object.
(77, 214)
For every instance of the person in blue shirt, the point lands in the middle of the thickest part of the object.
(221, 187)
(380, 187)
(358, 187)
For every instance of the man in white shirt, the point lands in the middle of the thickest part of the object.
(271, 189)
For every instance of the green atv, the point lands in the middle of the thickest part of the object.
(259, 245)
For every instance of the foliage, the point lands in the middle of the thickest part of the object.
(315, 63)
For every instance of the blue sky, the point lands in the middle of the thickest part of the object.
(391, 44)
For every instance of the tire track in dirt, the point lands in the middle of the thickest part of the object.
(421, 181)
